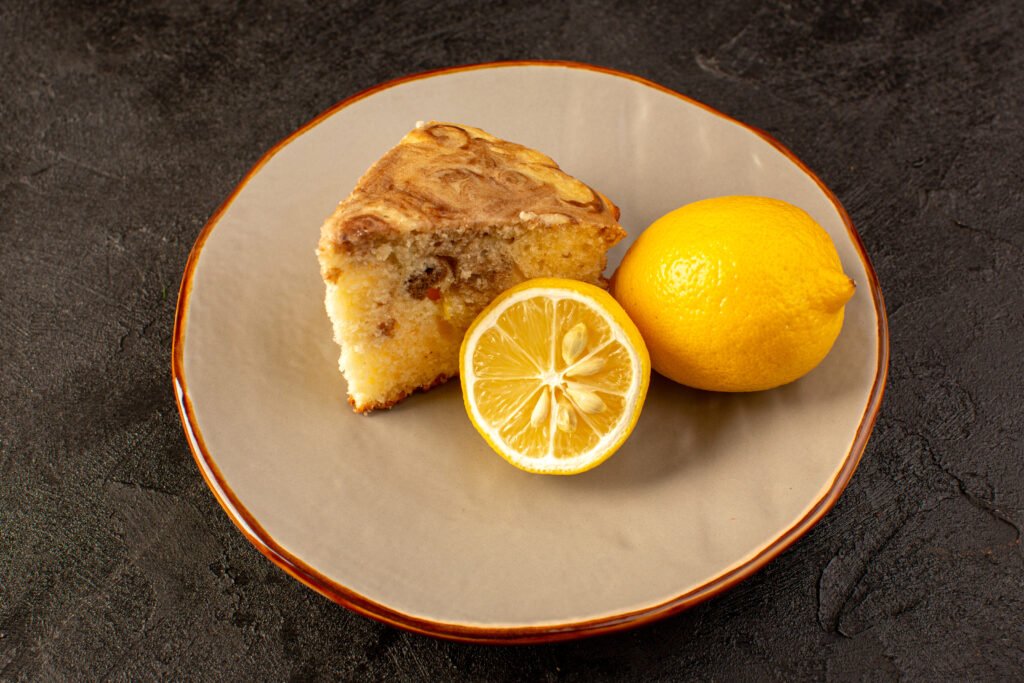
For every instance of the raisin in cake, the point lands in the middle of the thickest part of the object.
(440, 225)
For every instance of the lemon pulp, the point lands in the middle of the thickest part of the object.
(554, 375)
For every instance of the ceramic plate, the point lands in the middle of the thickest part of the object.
(406, 515)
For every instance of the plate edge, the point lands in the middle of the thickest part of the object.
(256, 535)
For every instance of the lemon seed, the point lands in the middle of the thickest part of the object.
(574, 342)
(566, 419)
(588, 367)
(540, 411)
(589, 402)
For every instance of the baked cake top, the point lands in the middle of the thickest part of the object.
(444, 175)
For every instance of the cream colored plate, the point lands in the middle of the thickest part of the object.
(407, 515)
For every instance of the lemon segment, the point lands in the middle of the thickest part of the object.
(554, 375)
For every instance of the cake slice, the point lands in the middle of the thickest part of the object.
(439, 226)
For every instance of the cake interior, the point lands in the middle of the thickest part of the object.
(400, 303)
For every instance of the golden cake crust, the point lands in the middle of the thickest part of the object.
(391, 403)
(444, 175)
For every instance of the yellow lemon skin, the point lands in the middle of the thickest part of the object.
(735, 293)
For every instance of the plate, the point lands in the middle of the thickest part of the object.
(406, 515)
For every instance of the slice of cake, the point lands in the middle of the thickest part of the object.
(440, 225)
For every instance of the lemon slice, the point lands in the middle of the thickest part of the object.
(554, 374)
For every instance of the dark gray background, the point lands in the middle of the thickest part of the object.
(124, 125)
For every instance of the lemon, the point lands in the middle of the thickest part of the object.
(735, 293)
(554, 374)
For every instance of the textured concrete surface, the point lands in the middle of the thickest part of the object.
(122, 127)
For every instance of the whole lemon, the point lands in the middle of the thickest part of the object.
(735, 293)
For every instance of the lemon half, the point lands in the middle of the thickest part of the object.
(554, 375)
